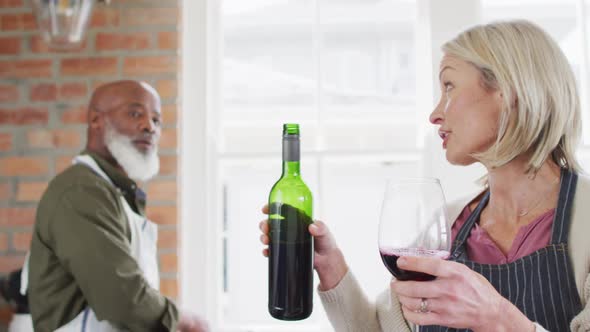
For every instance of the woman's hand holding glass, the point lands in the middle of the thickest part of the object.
(458, 297)
(329, 262)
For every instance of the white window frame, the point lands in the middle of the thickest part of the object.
(199, 91)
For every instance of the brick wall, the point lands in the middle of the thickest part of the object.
(43, 95)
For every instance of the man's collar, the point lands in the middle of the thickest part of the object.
(119, 178)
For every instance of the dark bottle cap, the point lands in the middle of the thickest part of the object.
(291, 142)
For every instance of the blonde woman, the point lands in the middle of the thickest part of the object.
(520, 258)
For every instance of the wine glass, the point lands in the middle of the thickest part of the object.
(413, 222)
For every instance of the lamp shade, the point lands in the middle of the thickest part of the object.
(63, 23)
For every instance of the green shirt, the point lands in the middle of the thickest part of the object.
(81, 255)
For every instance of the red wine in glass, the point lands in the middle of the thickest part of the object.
(390, 256)
(413, 222)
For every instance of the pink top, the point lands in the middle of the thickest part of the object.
(482, 249)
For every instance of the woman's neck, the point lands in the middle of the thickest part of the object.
(515, 195)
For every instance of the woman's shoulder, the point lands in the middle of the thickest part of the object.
(582, 195)
(579, 246)
(583, 185)
(580, 207)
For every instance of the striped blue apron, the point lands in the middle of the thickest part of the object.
(541, 284)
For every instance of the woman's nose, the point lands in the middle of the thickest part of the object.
(436, 116)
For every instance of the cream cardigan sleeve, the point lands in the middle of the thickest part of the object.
(581, 323)
(349, 309)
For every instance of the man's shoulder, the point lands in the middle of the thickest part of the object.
(77, 181)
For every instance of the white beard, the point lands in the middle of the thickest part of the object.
(138, 166)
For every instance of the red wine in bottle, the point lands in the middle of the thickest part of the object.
(290, 270)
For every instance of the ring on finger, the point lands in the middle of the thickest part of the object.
(423, 306)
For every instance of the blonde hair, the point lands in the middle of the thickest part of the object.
(541, 112)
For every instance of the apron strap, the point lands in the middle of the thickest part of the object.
(562, 219)
(458, 248)
(91, 163)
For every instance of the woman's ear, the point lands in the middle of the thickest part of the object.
(514, 102)
(513, 99)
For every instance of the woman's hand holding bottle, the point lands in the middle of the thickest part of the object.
(329, 262)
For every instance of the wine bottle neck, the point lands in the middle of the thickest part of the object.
(291, 155)
(291, 168)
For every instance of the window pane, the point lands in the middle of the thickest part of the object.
(268, 77)
(362, 51)
(368, 51)
(352, 194)
(368, 75)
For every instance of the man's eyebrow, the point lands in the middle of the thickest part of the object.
(135, 104)
(144, 107)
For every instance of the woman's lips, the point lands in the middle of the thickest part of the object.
(445, 137)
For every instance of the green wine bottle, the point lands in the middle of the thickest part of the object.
(290, 269)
